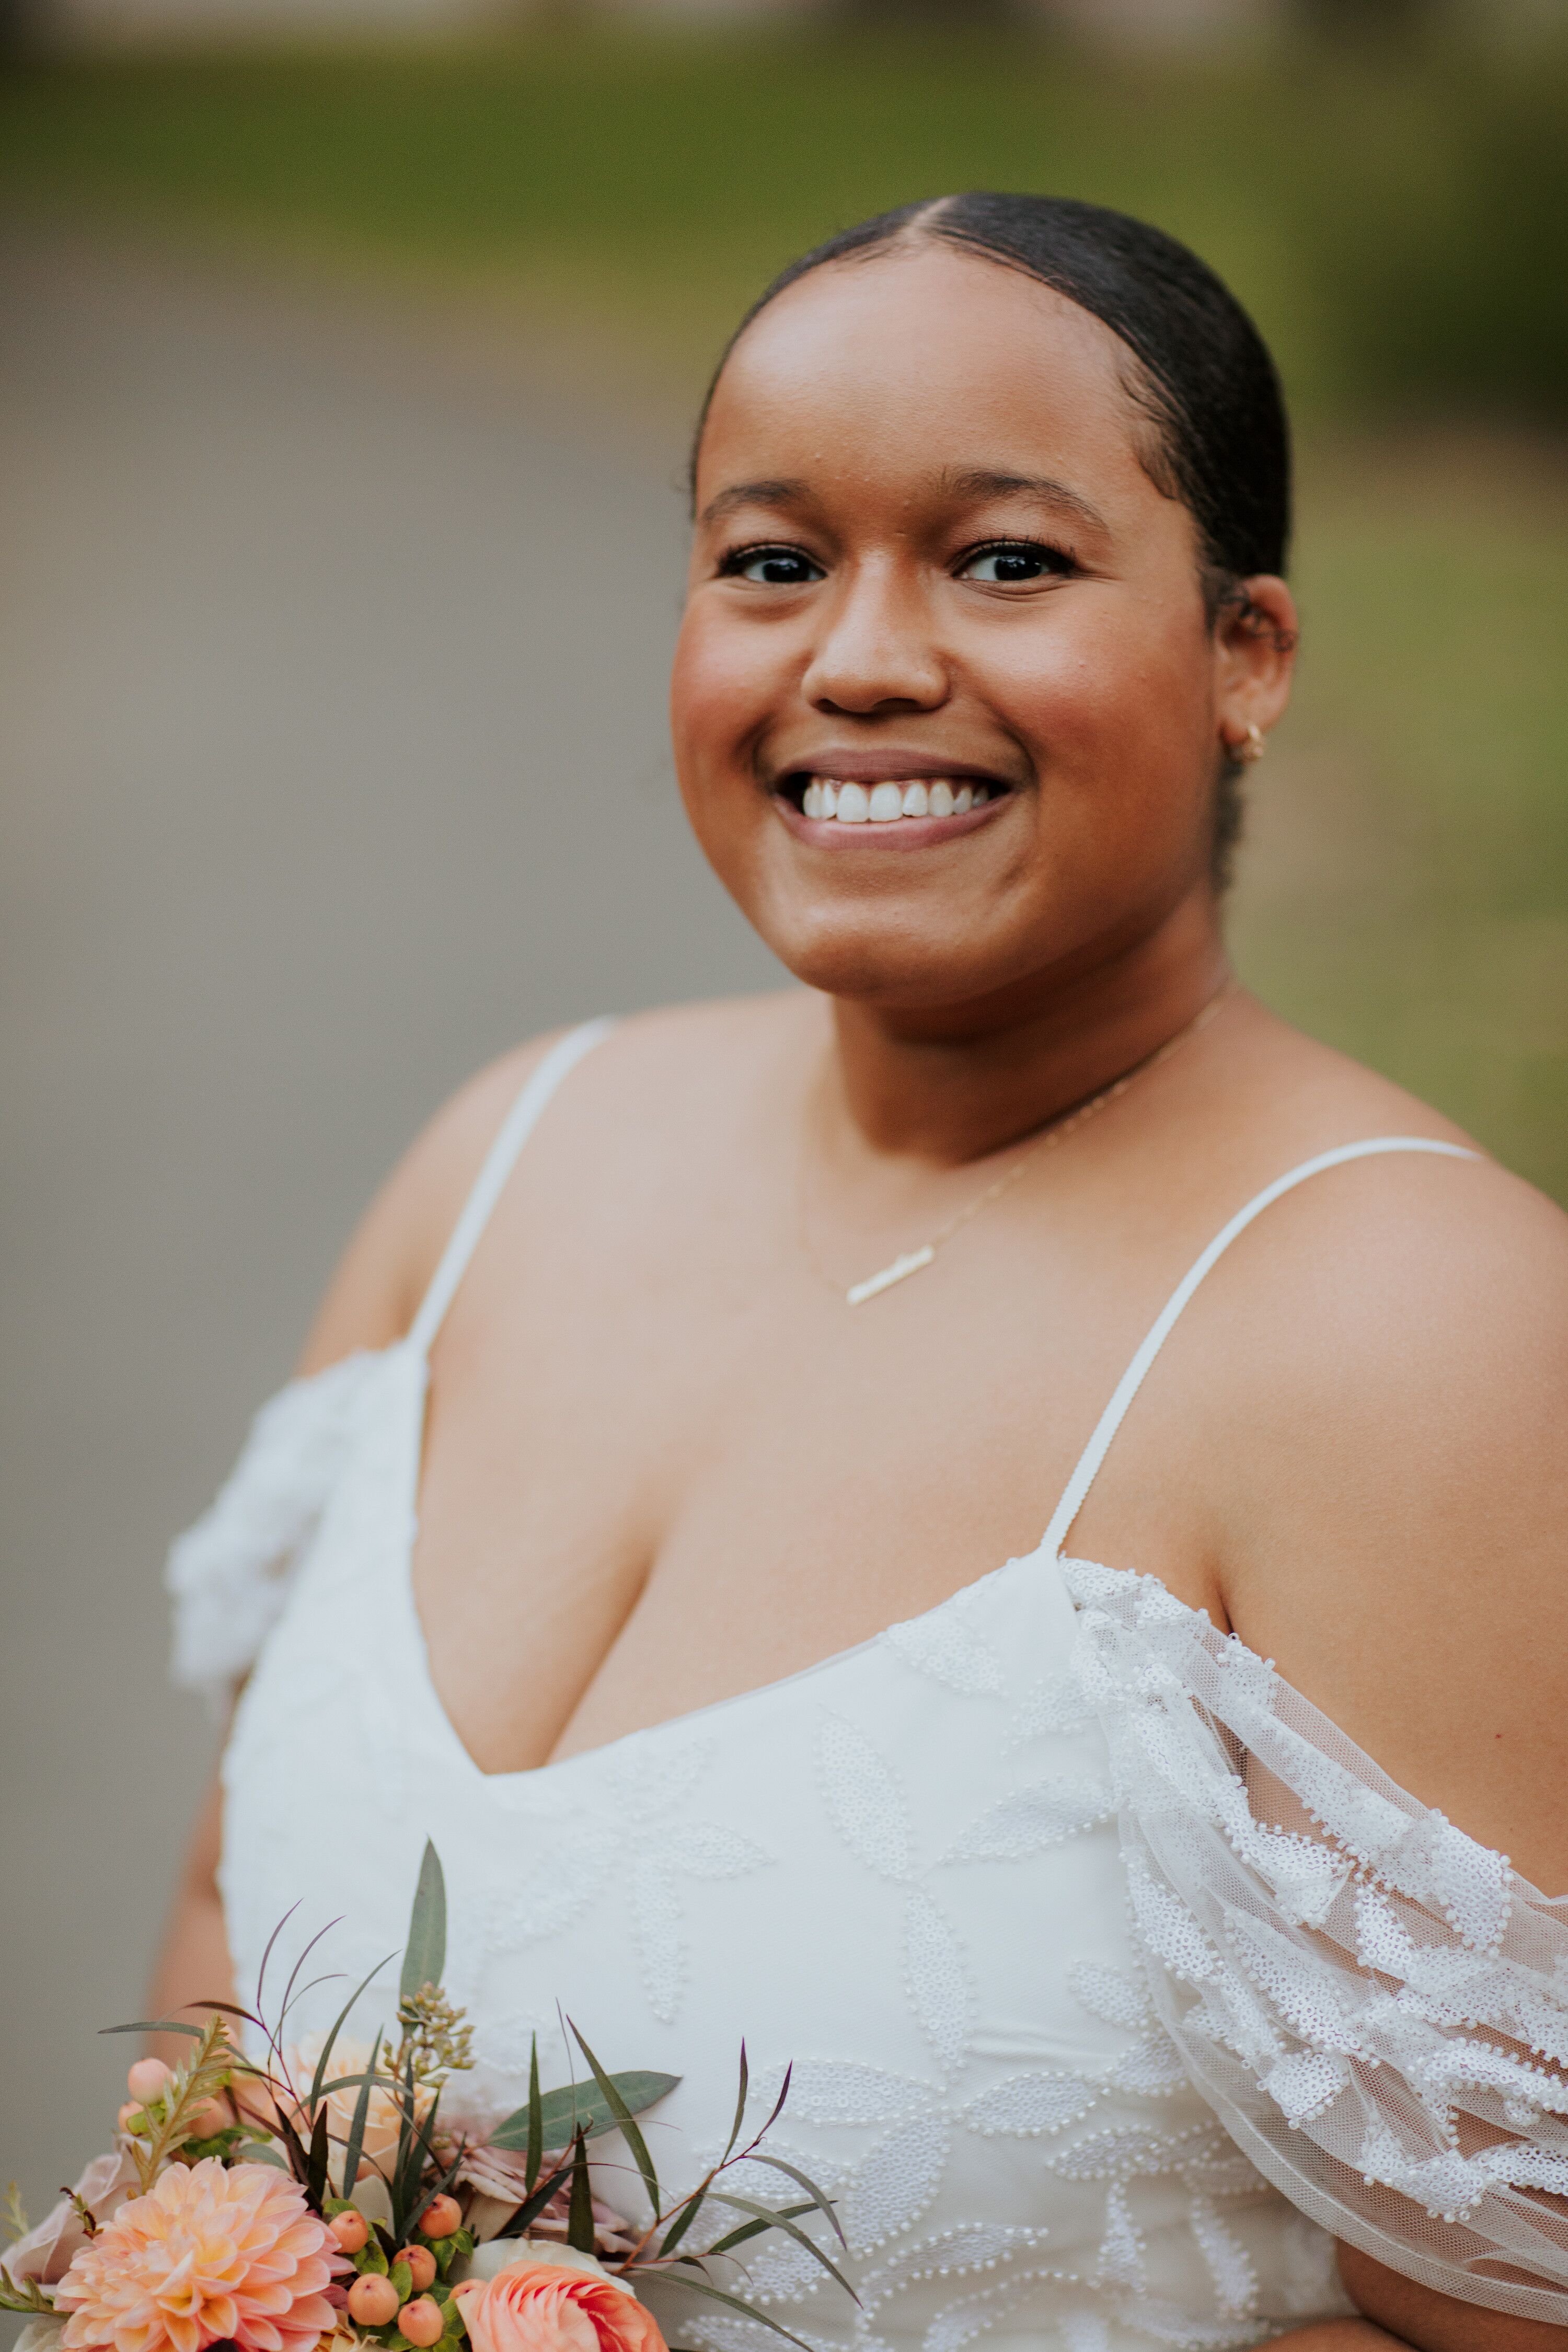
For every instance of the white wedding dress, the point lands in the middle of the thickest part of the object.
(1092, 2048)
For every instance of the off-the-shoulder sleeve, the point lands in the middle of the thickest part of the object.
(1376, 2006)
(228, 1576)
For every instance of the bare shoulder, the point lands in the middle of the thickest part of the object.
(651, 1060)
(1389, 1366)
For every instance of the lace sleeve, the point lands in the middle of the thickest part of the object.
(228, 1576)
(1376, 2006)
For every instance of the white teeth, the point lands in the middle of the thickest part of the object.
(883, 803)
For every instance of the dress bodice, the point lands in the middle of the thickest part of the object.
(1086, 2055)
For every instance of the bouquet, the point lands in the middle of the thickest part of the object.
(313, 2198)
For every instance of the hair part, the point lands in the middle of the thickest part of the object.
(1197, 371)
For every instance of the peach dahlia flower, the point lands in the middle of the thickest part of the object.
(206, 2254)
(556, 2301)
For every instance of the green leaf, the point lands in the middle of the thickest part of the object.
(780, 2220)
(580, 2106)
(531, 2207)
(740, 2107)
(735, 2303)
(316, 2172)
(535, 2119)
(372, 2256)
(337, 2024)
(355, 2146)
(154, 2025)
(802, 2181)
(751, 2230)
(401, 2278)
(623, 2116)
(579, 2210)
(425, 1958)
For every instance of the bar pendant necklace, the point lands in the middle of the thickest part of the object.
(915, 1261)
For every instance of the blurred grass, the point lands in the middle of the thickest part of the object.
(1397, 223)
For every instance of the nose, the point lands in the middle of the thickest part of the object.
(876, 653)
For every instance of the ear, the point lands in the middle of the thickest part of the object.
(1254, 655)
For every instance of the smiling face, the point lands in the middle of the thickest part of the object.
(948, 710)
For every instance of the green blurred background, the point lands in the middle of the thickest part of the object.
(1387, 189)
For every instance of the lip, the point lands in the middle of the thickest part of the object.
(888, 764)
(909, 832)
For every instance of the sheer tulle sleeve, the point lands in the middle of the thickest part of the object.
(1376, 2006)
(228, 1576)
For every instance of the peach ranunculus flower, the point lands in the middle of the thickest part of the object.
(556, 2301)
(206, 2255)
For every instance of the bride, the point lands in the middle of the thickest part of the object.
(656, 1522)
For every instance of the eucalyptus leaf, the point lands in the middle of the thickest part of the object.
(535, 2119)
(355, 2146)
(802, 2181)
(425, 1958)
(580, 2209)
(531, 2207)
(581, 2105)
(736, 2302)
(623, 2116)
(337, 2024)
(154, 2025)
(751, 2230)
(771, 2218)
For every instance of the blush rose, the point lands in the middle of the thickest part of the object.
(556, 2301)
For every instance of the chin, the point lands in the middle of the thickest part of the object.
(888, 961)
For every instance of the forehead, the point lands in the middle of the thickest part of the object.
(918, 360)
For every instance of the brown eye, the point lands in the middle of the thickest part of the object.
(1015, 565)
(772, 567)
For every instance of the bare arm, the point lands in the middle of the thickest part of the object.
(194, 1964)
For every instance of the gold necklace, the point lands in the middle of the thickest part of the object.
(914, 1261)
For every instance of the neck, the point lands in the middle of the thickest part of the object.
(954, 1083)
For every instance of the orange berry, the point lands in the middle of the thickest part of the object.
(421, 2264)
(207, 2120)
(441, 2216)
(422, 2321)
(351, 2230)
(373, 2300)
(146, 2079)
(128, 2115)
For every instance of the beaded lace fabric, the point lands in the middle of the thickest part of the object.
(1113, 1979)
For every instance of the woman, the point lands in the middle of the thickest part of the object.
(794, 1319)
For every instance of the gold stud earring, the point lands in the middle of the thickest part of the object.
(1251, 747)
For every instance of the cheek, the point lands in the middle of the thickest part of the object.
(723, 687)
(1105, 685)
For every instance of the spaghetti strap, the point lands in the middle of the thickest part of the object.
(1137, 1371)
(516, 1127)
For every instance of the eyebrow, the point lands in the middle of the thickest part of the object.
(968, 482)
(982, 482)
(753, 494)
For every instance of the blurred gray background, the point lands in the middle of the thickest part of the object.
(333, 763)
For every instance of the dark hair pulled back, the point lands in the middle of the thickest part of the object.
(1203, 376)
(1201, 372)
